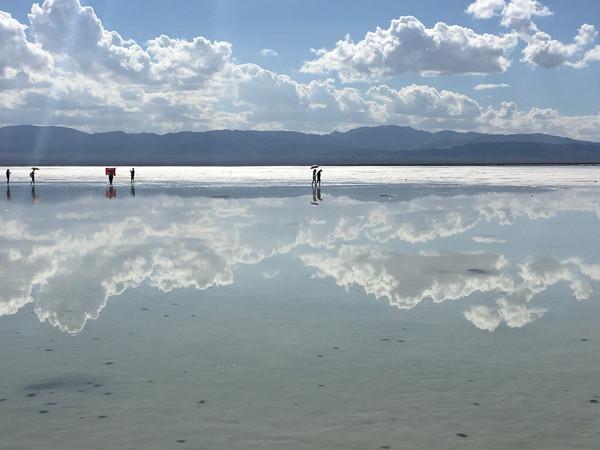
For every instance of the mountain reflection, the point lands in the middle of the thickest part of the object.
(72, 257)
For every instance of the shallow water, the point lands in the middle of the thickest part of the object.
(416, 315)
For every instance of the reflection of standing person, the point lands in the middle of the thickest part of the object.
(132, 173)
(32, 176)
(132, 191)
(7, 176)
(33, 195)
(319, 177)
(8, 193)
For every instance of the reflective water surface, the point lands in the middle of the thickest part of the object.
(405, 316)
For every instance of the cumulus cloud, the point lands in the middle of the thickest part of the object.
(18, 56)
(540, 49)
(407, 45)
(66, 68)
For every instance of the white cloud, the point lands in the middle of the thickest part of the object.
(489, 86)
(541, 49)
(485, 9)
(409, 46)
(268, 52)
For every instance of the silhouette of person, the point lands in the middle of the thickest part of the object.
(32, 176)
(7, 176)
(319, 177)
(132, 173)
(314, 181)
(110, 178)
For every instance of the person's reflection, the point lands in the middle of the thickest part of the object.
(110, 193)
(34, 197)
(316, 195)
(132, 191)
(8, 193)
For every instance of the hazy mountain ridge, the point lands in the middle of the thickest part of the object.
(24, 145)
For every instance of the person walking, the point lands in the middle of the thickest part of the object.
(7, 176)
(319, 177)
(314, 181)
(132, 173)
(32, 176)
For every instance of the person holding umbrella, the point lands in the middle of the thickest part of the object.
(314, 178)
(32, 174)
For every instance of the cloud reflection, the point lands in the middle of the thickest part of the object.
(72, 257)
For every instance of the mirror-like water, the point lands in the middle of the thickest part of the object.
(404, 316)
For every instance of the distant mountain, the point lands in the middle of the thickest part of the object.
(26, 144)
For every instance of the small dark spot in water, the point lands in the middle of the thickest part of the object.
(131, 333)
(51, 340)
(96, 339)
(462, 435)
(385, 446)
(295, 403)
(593, 400)
(80, 390)
(201, 402)
(400, 340)
(44, 411)
(321, 385)
(476, 404)
(319, 356)
(336, 348)
(31, 394)
(193, 315)
(101, 416)
(470, 381)
(89, 383)
(477, 271)
(109, 363)
(181, 441)
(565, 390)
(97, 385)
(51, 404)
(385, 339)
(48, 349)
(144, 309)
(184, 371)
(149, 381)
(583, 340)
(175, 304)
(108, 393)
(2, 399)
(165, 315)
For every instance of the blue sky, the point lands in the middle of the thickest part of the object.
(537, 77)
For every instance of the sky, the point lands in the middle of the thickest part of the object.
(499, 66)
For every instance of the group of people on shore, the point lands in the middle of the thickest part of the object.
(31, 175)
(111, 175)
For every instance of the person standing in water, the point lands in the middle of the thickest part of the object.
(110, 178)
(319, 177)
(7, 176)
(132, 173)
(314, 181)
(32, 176)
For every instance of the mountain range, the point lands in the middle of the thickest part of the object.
(33, 145)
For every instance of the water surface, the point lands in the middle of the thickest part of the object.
(253, 315)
